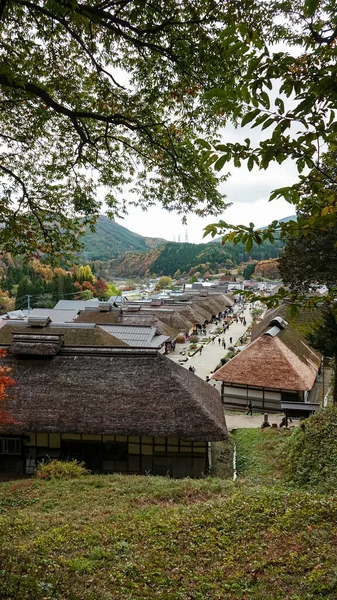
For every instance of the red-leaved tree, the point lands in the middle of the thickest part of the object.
(5, 382)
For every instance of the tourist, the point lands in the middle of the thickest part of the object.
(249, 409)
(230, 340)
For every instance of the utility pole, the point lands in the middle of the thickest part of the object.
(28, 303)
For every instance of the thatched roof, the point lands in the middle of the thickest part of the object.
(213, 303)
(113, 391)
(173, 318)
(42, 345)
(192, 314)
(71, 334)
(270, 362)
(97, 316)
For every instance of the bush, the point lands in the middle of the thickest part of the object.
(58, 469)
(312, 451)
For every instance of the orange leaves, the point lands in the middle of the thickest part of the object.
(5, 382)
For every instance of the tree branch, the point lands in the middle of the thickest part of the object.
(3, 4)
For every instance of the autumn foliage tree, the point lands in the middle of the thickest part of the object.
(6, 381)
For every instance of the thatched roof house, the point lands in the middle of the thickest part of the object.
(277, 365)
(72, 334)
(119, 409)
(133, 392)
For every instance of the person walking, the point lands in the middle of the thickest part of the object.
(219, 340)
(230, 340)
(224, 343)
(249, 409)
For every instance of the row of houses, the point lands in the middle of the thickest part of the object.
(93, 383)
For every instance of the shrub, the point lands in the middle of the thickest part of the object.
(194, 339)
(58, 469)
(311, 453)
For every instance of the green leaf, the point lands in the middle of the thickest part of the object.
(310, 7)
(250, 163)
(250, 116)
(204, 144)
(220, 163)
(249, 245)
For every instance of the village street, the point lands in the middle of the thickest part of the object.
(212, 352)
(211, 355)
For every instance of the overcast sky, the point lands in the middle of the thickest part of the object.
(248, 191)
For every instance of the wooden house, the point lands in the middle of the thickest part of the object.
(119, 409)
(278, 366)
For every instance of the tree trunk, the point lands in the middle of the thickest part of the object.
(334, 397)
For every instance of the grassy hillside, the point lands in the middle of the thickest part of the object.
(111, 240)
(139, 538)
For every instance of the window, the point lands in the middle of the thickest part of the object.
(10, 446)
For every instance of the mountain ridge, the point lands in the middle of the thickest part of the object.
(110, 240)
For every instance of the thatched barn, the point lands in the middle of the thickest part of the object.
(118, 409)
(278, 366)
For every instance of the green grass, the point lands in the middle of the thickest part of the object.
(143, 538)
(136, 538)
(260, 454)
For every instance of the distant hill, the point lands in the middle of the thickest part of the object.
(131, 254)
(284, 220)
(111, 240)
(170, 257)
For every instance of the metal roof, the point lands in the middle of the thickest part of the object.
(56, 315)
(75, 304)
(136, 335)
(272, 331)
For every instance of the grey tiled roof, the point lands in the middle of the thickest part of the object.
(136, 335)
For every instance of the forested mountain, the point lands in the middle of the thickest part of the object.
(111, 240)
(191, 258)
(133, 255)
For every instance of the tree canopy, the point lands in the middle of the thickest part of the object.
(290, 96)
(111, 95)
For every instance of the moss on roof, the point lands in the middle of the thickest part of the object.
(72, 336)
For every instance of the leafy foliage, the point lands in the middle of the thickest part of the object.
(249, 270)
(163, 282)
(6, 381)
(298, 122)
(312, 451)
(58, 469)
(107, 95)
